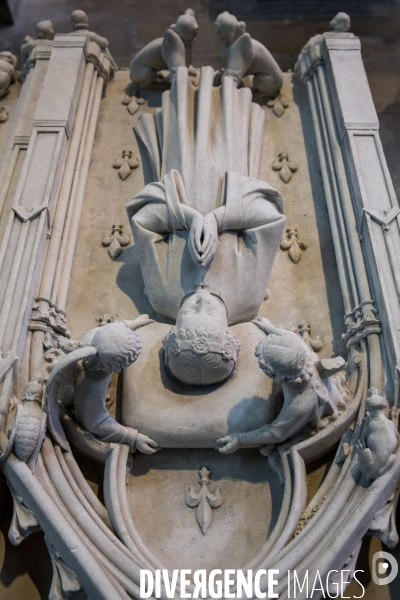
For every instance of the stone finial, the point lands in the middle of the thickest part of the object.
(79, 20)
(340, 23)
(45, 30)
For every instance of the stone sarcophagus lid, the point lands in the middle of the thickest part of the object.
(199, 294)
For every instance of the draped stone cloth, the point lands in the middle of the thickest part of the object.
(202, 133)
(205, 146)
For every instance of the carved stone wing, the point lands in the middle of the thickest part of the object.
(65, 366)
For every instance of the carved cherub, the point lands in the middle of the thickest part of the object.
(81, 380)
(379, 440)
(168, 53)
(241, 56)
(283, 356)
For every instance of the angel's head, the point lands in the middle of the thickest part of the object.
(201, 349)
(117, 347)
(283, 358)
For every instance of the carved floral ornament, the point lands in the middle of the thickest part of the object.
(3, 114)
(126, 164)
(116, 241)
(278, 105)
(285, 167)
(204, 500)
(292, 244)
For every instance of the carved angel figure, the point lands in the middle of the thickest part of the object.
(307, 397)
(81, 379)
(241, 56)
(379, 440)
(167, 53)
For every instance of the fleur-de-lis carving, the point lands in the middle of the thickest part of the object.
(278, 105)
(292, 244)
(285, 167)
(204, 500)
(116, 241)
(3, 114)
(125, 165)
(304, 331)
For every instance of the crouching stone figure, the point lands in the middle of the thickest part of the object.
(81, 379)
(308, 397)
(167, 53)
(241, 56)
(379, 439)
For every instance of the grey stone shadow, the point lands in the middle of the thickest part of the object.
(332, 284)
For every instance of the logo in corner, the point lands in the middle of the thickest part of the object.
(384, 563)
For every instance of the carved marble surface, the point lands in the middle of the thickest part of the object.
(218, 363)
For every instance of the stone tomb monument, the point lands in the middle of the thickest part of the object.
(200, 294)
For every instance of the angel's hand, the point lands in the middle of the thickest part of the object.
(228, 444)
(145, 444)
(194, 240)
(263, 324)
(360, 445)
(210, 239)
(140, 321)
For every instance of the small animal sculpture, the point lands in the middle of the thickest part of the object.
(8, 62)
(169, 52)
(241, 56)
(379, 440)
(27, 429)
